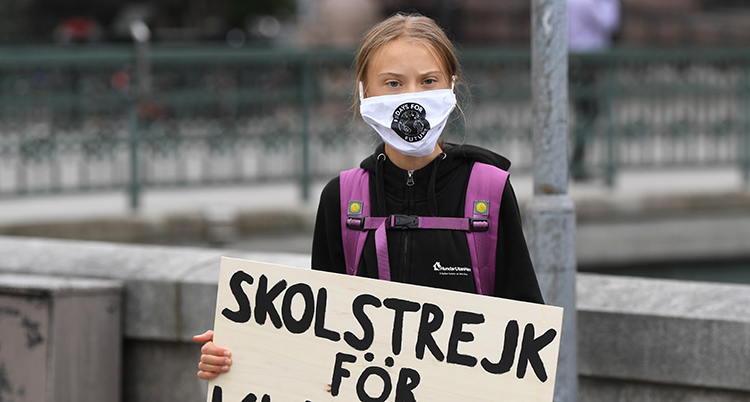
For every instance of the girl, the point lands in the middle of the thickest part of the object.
(406, 69)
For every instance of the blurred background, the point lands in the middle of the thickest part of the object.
(216, 123)
(128, 128)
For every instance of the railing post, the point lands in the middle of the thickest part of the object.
(134, 186)
(306, 97)
(141, 35)
(745, 153)
(611, 164)
(550, 214)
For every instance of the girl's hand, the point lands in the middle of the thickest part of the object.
(214, 360)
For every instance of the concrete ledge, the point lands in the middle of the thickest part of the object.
(600, 390)
(170, 291)
(176, 227)
(641, 340)
(607, 244)
(661, 206)
(683, 333)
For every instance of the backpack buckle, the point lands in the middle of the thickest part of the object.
(356, 223)
(403, 222)
(479, 225)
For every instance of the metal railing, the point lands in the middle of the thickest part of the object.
(70, 120)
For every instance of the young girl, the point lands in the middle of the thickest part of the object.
(406, 70)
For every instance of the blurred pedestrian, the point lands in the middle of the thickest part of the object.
(78, 30)
(592, 25)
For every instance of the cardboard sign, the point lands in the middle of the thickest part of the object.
(306, 336)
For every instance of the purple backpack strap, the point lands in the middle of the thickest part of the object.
(355, 203)
(483, 195)
(481, 220)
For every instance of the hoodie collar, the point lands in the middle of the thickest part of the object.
(388, 175)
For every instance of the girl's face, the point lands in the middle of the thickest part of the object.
(402, 66)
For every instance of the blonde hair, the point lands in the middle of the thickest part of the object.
(411, 27)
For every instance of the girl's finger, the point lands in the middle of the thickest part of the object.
(204, 337)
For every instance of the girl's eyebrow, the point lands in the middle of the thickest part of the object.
(433, 72)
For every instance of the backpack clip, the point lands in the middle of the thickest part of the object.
(403, 222)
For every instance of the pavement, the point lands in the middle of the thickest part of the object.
(648, 216)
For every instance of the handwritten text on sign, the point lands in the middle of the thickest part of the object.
(305, 336)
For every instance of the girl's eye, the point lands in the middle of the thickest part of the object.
(429, 81)
(392, 84)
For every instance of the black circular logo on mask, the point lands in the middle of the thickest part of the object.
(409, 122)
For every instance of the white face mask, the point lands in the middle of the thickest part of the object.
(412, 122)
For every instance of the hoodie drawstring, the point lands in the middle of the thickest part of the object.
(431, 196)
(380, 183)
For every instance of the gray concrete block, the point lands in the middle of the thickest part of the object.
(162, 372)
(599, 390)
(662, 331)
(664, 297)
(151, 275)
(151, 310)
(167, 287)
(61, 339)
(197, 309)
(97, 259)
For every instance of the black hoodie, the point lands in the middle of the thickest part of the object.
(426, 257)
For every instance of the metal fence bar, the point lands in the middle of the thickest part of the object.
(135, 186)
(70, 120)
(306, 98)
(745, 159)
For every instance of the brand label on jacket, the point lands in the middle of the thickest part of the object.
(441, 270)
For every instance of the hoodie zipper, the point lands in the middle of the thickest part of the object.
(407, 233)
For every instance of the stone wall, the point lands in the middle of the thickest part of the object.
(662, 340)
(639, 340)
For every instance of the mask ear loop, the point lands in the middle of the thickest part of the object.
(361, 92)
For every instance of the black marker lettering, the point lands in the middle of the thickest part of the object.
(364, 321)
(264, 301)
(320, 318)
(387, 385)
(216, 394)
(340, 372)
(509, 351)
(458, 335)
(530, 348)
(408, 379)
(426, 327)
(235, 283)
(252, 398)
(301, 325)
(399, 307)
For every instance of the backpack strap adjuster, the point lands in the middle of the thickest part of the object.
(479, 225)
(355, 223)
